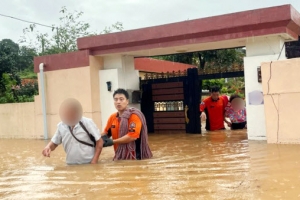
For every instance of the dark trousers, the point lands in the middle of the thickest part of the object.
(241, 125)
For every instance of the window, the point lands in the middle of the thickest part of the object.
(168, 106)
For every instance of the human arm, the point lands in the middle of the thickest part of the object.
(202, 108)
(98, 150)
(50, 147)
(226, 115)
(227, 122)
(124, 140)
(55, 141)
(107, 129)
(99, 142)
(133, 132)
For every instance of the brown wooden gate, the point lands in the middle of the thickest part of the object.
(172, 102)
(168, 101)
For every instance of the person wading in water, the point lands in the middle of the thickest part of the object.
(128, 130)
(79, 135)
(213, 110)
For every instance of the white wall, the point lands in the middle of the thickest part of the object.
(258, 51)
(106, 97)
(129, 77)
(112, 62)
(122, 74)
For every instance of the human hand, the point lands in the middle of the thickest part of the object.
(107, 141)
(94, 161)
(46, 152)
(203, 116)
(228, 124)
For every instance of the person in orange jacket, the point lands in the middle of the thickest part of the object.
(212, 110)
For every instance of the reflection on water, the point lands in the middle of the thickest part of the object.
(216, 165)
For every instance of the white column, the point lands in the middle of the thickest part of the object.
(259, 50)
(120, 71)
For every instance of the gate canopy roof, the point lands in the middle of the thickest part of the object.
(224, 31)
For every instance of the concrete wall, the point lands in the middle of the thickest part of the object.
(66, 83)
(281, 90)
(106, 97)
(18, 120)
(96, 64)
(258, 50)
(86, 83)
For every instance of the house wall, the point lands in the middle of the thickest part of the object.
(259, 50)
(25, 120)
(281, 89)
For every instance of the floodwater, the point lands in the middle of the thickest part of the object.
(215, 165)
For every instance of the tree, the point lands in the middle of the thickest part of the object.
(25, 61)
(64, 35)
(9, 53)
(7, 95)
(13, 61)
(187, 58)
(236, 86)
(16, 93)
(207, 84)
(209, 59)
(214, 59)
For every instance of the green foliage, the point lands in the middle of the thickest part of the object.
(8, 59)
(64, 37)
(16, 62)
(7, 96)
(207, 84)
(209, 59)
(8, 53)
(14, 58)
(236, 86)
(25, 58)
(118, 26)
(220, 58)
(214, 59)
(187, 58)
(27, 90)
(14, 93)
(27, 74)
(232, 86)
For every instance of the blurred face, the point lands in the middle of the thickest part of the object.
(121, 102)
(69, 115)
(237, 103)
(215, 95)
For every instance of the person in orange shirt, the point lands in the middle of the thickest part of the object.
(213, 110)
(128, 130)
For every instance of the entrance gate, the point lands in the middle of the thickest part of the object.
(170, 101)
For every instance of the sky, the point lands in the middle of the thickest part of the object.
(132, 13)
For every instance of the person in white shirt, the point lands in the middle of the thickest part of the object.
(79, 135)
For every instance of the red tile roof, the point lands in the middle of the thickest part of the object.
(155, 65)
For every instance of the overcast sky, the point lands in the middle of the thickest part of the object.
(132, 13)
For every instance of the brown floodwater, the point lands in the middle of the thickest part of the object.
(215, 165)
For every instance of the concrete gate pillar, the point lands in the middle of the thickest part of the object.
(259, 50)
(120, 71)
